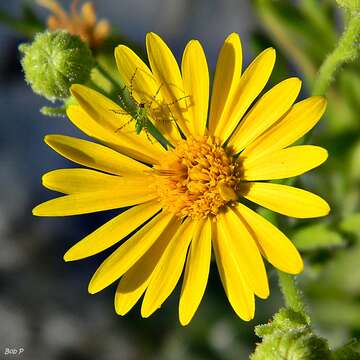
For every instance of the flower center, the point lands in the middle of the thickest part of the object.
(196, 179)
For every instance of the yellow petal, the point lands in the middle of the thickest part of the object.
(99, 107)
(122, 259)
(123, 140)
(145, 88)
(251, 84)
(245, 252)
(168, 270)
(195, 74)
(167, 73)
(226, 81)
(302, 117)
(113, 231)
(274, 245)
(86, 203)
(70, 181)
(286, 200)
(136, 74)
(283, 163)
(196, 271)
(270, 108)
(240, 295)
(94, 155)
(135, 281)
(113, 123)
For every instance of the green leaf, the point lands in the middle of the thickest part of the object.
(337, 312)
(53, 111)
(318, 236)
(347, 352)
(349, 83)
(343, 272)
(351, 224)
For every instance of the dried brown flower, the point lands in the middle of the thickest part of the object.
(81, 23)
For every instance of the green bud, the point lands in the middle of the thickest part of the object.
(353, 5)
(283, 320)
(289, 336)
(293, 345)
(54, 61)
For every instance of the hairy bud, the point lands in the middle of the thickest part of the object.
(54, 61)
(289, 336)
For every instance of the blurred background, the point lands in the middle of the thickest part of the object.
(44, 305)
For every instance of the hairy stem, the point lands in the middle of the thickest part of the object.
(346, 50)
(292, 294)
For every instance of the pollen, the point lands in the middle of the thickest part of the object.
(196, 178)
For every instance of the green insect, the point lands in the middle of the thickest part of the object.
(141, 118)
(140, 112)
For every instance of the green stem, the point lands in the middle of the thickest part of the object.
(130, 106)
(292, 294)
(346, 50)
(108, 77)
(93, 85)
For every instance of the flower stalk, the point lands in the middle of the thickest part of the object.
(347, 50)
(292, 294)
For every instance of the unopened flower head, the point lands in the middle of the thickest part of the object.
(54, 61)
(289, 336)
(83, 24)
(188, 199)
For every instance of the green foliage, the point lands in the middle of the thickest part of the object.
(54, 61)
(347, 352)
(283, 320)
(351, 224)
(289, 336)
(317, 236)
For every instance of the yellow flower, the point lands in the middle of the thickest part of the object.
(187, 199)
(84, 24)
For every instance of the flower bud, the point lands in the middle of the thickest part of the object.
(54, 61)
(289, 336)
(294, 345)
